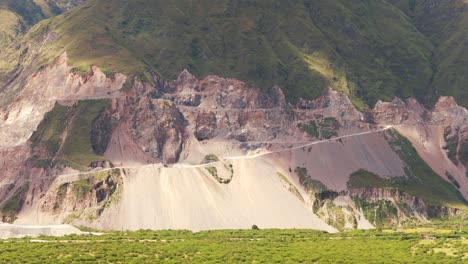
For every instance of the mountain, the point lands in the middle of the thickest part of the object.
(369, 49)
(33, 11)
(16, 18)
(223, 114)
(445, 24)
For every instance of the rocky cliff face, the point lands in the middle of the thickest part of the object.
(87, 197)
(155, 127)
(401, 208)
(439, 135)
(88, 124)
(188, 109)
(367, 208)
(25, 108)
(455, 120)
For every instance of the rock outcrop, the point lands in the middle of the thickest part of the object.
(40, 91)
(440, 135)
(177, 123)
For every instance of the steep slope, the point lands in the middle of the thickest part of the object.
(17, 17)
(154, 197)
(229, 151)
(445, 23)
(9, 25)
(28, 10)
(367, 49)
(33, 11)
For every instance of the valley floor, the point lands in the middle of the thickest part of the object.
(242, 246)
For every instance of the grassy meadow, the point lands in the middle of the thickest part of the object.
(242, 246)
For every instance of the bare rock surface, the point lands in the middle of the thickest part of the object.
(42, 90)
(157, 135)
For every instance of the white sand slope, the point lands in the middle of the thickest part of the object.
(187, 196)
(190, 198)
(18, 231)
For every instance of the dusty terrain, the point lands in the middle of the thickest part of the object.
(155, 139)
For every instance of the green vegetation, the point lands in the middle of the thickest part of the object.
(328, 127)
(310, 128)
(33, 11)
(381, 213)
(62, 192)
(98, 189)
(322, 201)
(290, 186)
(242, 246)
(68, 129)
(103, 175)
(321, 198)
(210, 158)
(445, 24)
(77, 149)
(214, 172)
(420, 180)
(26, 9)
(54, 7)
(309, 184)
(9, 25)
(81, 188)
(453, 180)
(12, 206)
(51, 129)
(323, 128)
(366, 179)
(333, 214)
(444, 225)
(328, 134)
(369, 49)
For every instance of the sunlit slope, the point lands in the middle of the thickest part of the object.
(368, 48)
(9, 25)
(33, 11)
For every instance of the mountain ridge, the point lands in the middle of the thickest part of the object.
(319, 47)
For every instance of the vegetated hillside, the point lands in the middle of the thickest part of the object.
(28, 10)
(33, 11)
(9, 25)
(369, 49)
(445, 23)
(54, 7)
(17, 16)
